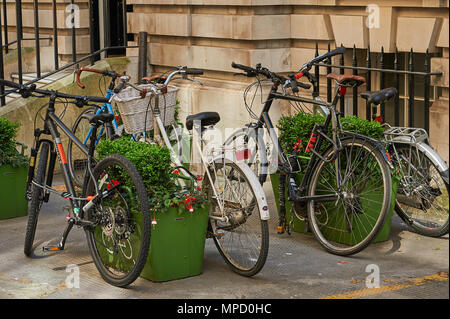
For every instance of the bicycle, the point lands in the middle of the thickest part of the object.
(82, 128)
(422, 195)
(239, 211)
(346, 186)
(112, 208)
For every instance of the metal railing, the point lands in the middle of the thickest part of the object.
(411, 73)
(5, 48)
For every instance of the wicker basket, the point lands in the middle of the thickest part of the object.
(137, 112)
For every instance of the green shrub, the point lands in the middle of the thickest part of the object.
(154, 164)
(8, 151)
(299, 127)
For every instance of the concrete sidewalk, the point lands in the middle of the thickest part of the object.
(410, 266)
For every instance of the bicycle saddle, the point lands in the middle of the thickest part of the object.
(206, 119)
(98, 119)
(347, 79)
(377, 97)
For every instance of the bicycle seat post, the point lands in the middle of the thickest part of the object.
(196, 162)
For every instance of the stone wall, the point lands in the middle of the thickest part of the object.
(282, 34)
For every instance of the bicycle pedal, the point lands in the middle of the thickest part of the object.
(52, 248)
(281, 230)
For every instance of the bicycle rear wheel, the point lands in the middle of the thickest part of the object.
(120, 241)
(348, 225)
(422, 196)
(239, 233)
(37, 199)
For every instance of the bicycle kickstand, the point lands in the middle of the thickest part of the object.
(62, 243)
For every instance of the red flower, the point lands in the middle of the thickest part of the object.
(379, 119)
(298, 146)
(187, 202)
(115, 183)
(176, 172)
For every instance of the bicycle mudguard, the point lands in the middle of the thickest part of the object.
(254, 183)
(429, 152)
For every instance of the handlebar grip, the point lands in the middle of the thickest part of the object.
(119, 87)
(305, 86)
(242, 67)
(11, 84)
(340, 50)
(194, 71)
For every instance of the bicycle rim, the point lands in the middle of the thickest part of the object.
(120, 241)
(242, 237)
(348, 225)
(422, 195)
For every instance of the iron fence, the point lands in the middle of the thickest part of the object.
(396, 72)
(95, 51)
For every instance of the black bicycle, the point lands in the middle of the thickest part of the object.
(112, 206)
(345, 191)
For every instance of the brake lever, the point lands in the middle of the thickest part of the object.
(195, 81)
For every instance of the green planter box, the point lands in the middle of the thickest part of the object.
(302, 226)
(177, 244)
(12, 191)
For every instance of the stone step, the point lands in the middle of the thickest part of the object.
(26, 77)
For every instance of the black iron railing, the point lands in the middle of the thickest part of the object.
(394, 73)
(94, 50)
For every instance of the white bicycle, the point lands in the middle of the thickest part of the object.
(238, 206)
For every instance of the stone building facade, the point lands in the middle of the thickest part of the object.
(282, 35)
(279, 34)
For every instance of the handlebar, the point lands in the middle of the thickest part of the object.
(111, 74)
(276, 78)
(27, 91)
(340, 50)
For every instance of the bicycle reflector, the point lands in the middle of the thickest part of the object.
(243, 154)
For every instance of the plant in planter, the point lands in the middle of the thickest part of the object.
(179, 214)
(294, 137)
(13, 172)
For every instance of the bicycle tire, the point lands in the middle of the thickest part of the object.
(80, 129)
(120, 222)
(37, 198)
(419, 214)
(239, 222)
(335, 225)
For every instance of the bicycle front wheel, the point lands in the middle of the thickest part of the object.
(348, 225)
(239, 233)
(422, 196)
(37, 199)
(252, 149)
(120, 240)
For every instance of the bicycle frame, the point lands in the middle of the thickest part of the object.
(160, 129)
(285, 167)
(108, 107)
(51, 124)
